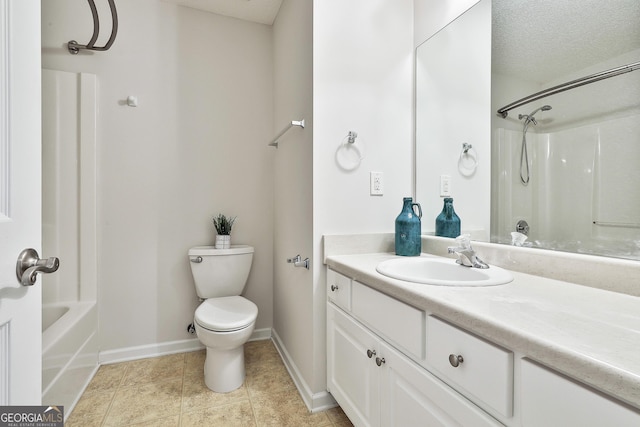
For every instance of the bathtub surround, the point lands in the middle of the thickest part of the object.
(579, 210)
(70, 341)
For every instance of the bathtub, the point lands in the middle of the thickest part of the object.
(69, 351)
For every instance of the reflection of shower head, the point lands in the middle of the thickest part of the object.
(529, 117)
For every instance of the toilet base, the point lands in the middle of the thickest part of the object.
(224, 369)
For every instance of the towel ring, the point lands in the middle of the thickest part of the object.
(468, 160)
(350, 152)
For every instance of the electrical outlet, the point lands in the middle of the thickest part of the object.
(376, 183)
(445, 185)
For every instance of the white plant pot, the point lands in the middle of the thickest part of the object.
(223, 242)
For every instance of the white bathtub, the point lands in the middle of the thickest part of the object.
(69, 351)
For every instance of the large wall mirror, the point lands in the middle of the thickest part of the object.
(566, 165)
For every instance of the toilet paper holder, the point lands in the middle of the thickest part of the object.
(297, 261)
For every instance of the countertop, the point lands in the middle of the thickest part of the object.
(589, 334)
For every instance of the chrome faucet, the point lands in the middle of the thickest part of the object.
(466, 255)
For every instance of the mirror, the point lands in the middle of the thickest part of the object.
(453, 101)
(581, 156)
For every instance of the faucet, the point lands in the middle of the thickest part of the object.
(466, 255)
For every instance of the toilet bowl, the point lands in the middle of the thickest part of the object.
(223, 325)
(224, 321)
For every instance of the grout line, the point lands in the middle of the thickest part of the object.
(113, 398)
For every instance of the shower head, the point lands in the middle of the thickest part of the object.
(529, 117)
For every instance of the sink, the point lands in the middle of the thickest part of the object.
(442, 272)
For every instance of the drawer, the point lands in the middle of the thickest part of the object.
(552, 400)
(485, 371)
(339, 289)
(398, 322)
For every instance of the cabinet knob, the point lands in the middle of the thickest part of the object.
(334, 288)
(455, 360)
(371, 353)
(379, 361)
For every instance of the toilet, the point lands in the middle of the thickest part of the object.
(224, 321)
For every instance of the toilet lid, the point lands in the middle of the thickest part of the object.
(226, 314)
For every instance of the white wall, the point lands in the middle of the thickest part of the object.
(362, 82)
(293, 187)
(359, 78)
(195, 146)
(430, 16)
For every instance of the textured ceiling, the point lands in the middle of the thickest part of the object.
(542, 39)
(260, 11)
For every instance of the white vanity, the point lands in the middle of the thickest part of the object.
(534, 352)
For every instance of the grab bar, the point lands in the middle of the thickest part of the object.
(74, 47)
(504, 111)
(274, 141)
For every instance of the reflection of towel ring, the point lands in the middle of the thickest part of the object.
(349, 155)
(468, 160)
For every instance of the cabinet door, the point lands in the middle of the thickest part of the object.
(411, 396)
(352, 376)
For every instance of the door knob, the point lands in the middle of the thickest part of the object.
(29, 264)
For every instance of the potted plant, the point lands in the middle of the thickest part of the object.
(223, 225)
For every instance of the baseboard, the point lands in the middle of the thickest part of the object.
(261, 334)
(315, 402)
(162, 349)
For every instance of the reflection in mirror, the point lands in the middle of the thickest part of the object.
(567, 164)
(453, 101)
(571, 171)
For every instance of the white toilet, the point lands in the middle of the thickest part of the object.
(225, 320)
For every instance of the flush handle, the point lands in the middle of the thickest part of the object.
(196, 260)
(29, 265)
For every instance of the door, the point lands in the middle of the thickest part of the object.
(352, 374)
(20, 200)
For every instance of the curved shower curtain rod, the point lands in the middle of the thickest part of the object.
(73, 45)
(504, 111)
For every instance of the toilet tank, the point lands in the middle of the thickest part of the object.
(220, 272)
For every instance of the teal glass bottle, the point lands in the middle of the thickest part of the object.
(448, 222)
(408, 228)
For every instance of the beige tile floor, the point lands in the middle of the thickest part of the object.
(170, 391)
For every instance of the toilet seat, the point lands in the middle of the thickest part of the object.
(226, 314)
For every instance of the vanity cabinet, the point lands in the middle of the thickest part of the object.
(390, 364)
(377, 384)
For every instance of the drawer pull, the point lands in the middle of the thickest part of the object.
(379, 361)
(455, 360)
(334, 288)
(371, 353)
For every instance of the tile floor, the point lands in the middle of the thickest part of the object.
(170, 391)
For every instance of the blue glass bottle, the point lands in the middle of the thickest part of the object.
(408, 241)
(448, 222)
